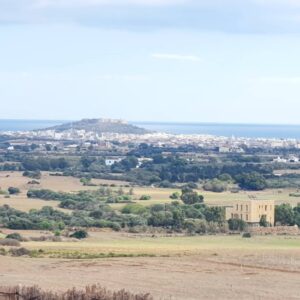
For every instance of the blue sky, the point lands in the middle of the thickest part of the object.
(155, 60)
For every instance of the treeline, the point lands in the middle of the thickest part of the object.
(193, 215)
(248, 172)
(103, 194)
(285, 214)
(197, 218)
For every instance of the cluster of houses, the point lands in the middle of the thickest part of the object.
(290, 159)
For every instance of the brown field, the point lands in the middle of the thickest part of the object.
(158, 195)
(55, 183)
(175, 267)
(210, 267)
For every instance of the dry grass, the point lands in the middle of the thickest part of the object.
(94, 292)
(158, 195)
(105, 244)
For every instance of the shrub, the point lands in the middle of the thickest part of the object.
(79, 234)
(10, 242)
(215, 186)
(3, 251)
(190, 197)
(175, 196)
(246, 235)
(145, 197)
(136, 209)
(263, 221)
(13, 190)
(33, 182)
(15, 236)
(237, 224)
(251, 181)
(90, 292)
(33, 174)
(19, 251)
(3, 192)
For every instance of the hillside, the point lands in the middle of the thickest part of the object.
(100, 126)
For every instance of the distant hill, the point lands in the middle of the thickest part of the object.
(100, 126)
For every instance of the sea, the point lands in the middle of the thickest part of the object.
(218, 129)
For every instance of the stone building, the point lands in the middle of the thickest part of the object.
(252, 210)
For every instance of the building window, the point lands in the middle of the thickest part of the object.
(247, 207)
(241, 217)
(266, 207)
(241, 207)
(246, 217)
(237, 207)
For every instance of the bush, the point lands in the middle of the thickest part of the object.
(33, 174)
(15, 236)
(190, 197)
(246, 235)
(19, 251)
(3, 192)
(263, 221)
(10, 242)
(90, 292)
(13, 190)
(136, 209)
(145, 197)
(284, 214)
(237, 224)
(175, 196)
(79, 234)
(252, 181)
(215, 186)
(33, 182)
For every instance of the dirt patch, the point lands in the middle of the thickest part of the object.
(203, 276)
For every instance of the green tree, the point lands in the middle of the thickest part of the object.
(263, 221)
(190, 197)
(237, 224)
(13, 190)
(175, 196)
(284, 214)
(252, 181)
(79, 234)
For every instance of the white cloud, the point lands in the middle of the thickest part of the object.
(170, 56)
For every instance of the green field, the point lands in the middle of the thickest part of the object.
(117, 243)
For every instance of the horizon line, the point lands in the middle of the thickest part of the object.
(157, 122)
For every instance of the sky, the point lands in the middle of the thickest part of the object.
(151, 60)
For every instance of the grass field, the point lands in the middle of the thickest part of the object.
(120, 243)
(158, 195)
(177, 267)
(170, 267)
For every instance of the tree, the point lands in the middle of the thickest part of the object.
(79, 234)
(175, 196)
(215, 186)
(145, 197)
(190, 197)
(263, 221)
(225, 177)
(237, 224)
(284, 214)
(129, 163)
(13, 190)
(252, 181)
(297, 214)
(48, 147)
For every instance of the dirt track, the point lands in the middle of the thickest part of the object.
(194, 277)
